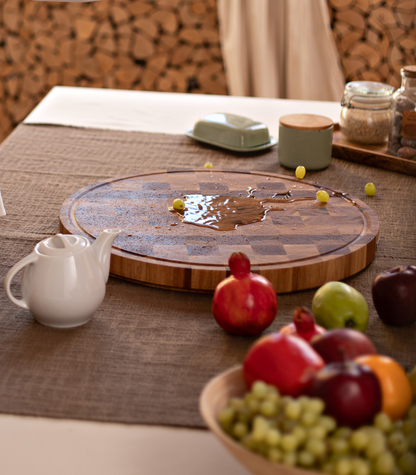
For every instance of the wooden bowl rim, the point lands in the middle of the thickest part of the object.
(210, 419)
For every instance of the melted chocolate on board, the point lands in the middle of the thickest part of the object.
(225, 213)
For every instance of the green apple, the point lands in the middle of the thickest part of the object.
(337, 305)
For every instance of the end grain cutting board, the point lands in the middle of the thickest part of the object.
(302, 245)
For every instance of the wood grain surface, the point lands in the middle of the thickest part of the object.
(306, 122)
(371, 155)
(299, 246)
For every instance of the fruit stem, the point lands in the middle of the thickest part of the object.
(342, 354)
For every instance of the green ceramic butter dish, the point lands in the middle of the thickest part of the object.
(232, 132)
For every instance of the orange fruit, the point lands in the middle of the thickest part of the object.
(395, 387)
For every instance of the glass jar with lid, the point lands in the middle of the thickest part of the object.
(366, 112)
(402, 138)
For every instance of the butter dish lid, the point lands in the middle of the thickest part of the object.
(232, 132)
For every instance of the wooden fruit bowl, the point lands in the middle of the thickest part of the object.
(213, 399)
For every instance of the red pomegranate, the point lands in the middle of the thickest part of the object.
(244, 303)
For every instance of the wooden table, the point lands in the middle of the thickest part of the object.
(67, 446)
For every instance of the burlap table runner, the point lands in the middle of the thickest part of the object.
(146, 354)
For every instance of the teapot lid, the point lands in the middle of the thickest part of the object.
(62, 244)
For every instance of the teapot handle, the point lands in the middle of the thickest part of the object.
(14, 270)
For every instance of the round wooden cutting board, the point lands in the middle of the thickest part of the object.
(299, 246)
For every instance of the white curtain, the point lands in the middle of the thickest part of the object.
(280, 48)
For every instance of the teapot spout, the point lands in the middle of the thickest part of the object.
(102, 249)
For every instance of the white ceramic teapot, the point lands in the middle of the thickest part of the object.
(64, 279)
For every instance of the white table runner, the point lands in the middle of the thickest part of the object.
(170, 113)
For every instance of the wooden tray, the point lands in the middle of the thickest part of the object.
(301, 246)
(372, 155)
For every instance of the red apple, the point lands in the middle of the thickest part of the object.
(394, 295)
(244, 303)
(351, 392)
(303, 325)
(286, 361)
(342, 343)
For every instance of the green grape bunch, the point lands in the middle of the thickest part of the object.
(296, 432)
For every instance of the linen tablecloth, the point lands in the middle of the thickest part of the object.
(146, 354)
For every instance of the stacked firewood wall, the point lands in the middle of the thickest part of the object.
(159, 45)
(374, 38)
(167, 45)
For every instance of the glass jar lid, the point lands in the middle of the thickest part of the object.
(409, 72)
(367, 95)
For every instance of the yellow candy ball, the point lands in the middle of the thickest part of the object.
(178, 204)
(370, 189)
(208, 165)
(322, 195)
(300, 172)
